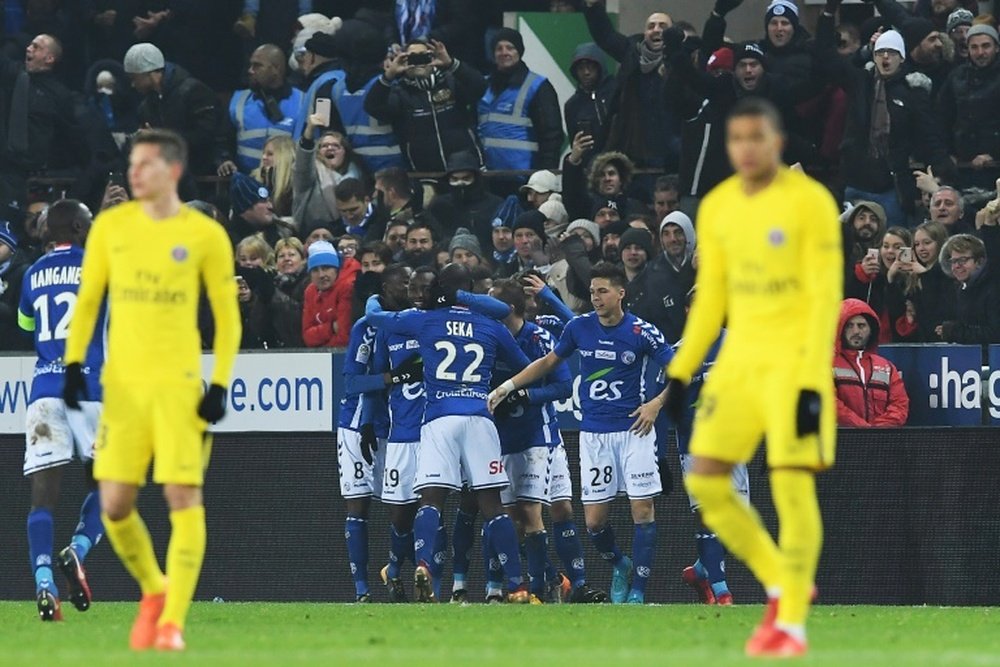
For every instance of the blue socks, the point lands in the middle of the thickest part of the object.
(462, 538)
(604, 542)
(40, 538)
(500, 534)
(425, 530)
(536, 547)
(711, 563)
(570, 551)
(440, 557)
(643, 548)
(494, 572)
(356, 532)
(400, 550)
(90, 529)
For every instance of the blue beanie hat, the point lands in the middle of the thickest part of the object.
(785, 8)
(7, 235)
(244, 192)
(322, 253)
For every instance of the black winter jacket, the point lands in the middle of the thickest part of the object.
(659, 296)
(969, 101)
(431, 124)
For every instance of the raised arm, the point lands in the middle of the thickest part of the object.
(531, 374)
(613, 42)
(483, 304)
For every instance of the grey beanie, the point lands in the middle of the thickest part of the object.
(143, 58)
(465, 240)
(982, 29)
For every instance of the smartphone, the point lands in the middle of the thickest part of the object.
(906, 255)
(117, 178)
(585, 126)
(872, 253)
(418, 59)
(323, 109)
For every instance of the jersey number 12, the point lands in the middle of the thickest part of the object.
(41, 306)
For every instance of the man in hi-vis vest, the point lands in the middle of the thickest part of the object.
(520, 121)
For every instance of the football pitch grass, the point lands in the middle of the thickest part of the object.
(222, 634)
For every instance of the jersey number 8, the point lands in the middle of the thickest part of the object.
(451, 353)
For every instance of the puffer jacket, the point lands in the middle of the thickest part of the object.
(870, 390)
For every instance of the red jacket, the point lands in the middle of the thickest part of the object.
(320, 310)
(870, 390)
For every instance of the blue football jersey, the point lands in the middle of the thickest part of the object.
(613, 363)
(406, 401)
(694, 393)
(48, 299)
(459, 348)
(534, 425)
(552, 324)
(358, 362)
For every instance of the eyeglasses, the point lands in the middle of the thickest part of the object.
(961, 261)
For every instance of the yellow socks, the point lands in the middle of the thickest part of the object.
(738, 526)
(130, 540)
(801, 538)
(184, 557)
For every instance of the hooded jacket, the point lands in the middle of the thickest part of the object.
(659, 294)
(977, 301)
(592, 107)
(470, 206)
(870, 390)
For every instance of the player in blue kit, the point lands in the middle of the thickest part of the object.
(55, 435)
(458, 438)
(617, 438)
(398, 360)
(526, 423)
(707, 576)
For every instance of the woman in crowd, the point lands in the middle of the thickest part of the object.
(275, 172)
(928, 289)
(254, 252)
(291, 281)
(319, 167)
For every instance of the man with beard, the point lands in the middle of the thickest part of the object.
(641, 125)
(520, 122)
(421, 244)
(968, 106)
(428, 96)
(890, 121)
(863, 229)
(870, 390)
(464, 200)
(266, 109)
(610, 243)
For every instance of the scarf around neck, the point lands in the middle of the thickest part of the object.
(878, 134)
(649, 59)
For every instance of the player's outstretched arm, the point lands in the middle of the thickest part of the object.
(534, 372)
(404, 322)
(220, 287)
(93, 284)
(556, 386)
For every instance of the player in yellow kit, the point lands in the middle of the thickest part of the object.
(153, 255)
(770, 268)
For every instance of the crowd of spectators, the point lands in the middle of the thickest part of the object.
(333, 139)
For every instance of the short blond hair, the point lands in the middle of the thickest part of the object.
(256, 246)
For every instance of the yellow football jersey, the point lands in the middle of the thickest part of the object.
(153, 271)
(770, 266)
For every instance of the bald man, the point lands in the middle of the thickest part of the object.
(643, 127)
(38, 118)
(266, 110)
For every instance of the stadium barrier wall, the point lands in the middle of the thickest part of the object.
(948, 385)
(910, 517)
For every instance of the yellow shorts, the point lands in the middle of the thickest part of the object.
(742, 405)
(156, 422)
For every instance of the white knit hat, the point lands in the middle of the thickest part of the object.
(891, 40)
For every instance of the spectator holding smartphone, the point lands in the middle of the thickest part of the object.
(587, 110)
(928, 289)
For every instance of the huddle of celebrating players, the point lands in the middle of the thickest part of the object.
(449, 391)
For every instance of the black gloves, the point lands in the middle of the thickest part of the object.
(74, 386)
(676, 401)
(832, 6)
(369, 443)
(514, 400)
(411, 370)
(807, 413)
(723, 7)
(672, 40)
(213, 404)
